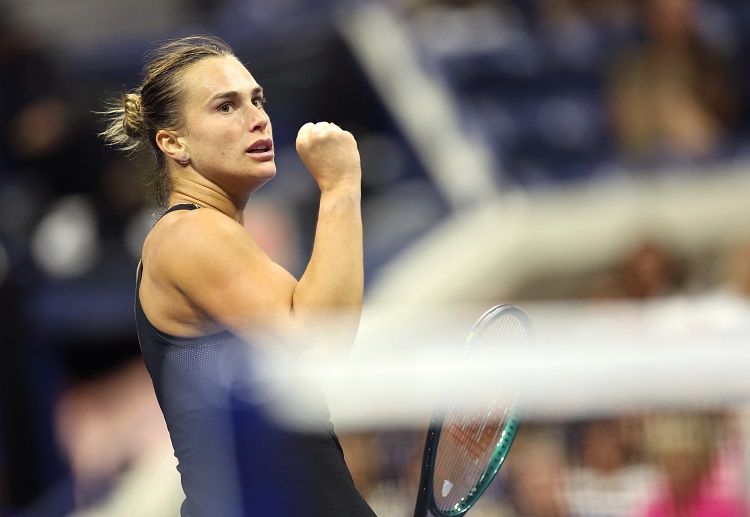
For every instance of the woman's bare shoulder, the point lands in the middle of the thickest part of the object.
(194, 239)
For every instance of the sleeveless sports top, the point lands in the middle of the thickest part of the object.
(234, 458)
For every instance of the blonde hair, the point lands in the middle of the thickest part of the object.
(134, 118)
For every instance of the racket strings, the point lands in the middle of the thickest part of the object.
(473, 430)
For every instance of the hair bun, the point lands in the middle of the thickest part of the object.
(133, 120)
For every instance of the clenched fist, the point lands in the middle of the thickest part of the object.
(331, 155)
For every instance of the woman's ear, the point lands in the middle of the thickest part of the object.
(169, 144)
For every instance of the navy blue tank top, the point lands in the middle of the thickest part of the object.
(234, 457)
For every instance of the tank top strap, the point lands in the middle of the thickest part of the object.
(178, 206)
(181, 206)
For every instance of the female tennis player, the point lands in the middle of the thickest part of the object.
(206, 292)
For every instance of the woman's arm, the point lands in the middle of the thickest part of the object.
(220, 269)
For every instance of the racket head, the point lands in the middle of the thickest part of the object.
(470, 439)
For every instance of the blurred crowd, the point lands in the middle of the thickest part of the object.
(575, 89)
(563, 91)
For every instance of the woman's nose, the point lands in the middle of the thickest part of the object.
(258, 119)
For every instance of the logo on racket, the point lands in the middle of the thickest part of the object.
(447, 487)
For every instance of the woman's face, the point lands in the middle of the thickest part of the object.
(227, 133)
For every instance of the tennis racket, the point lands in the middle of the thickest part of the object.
(468, 440)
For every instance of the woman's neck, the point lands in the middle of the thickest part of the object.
(208, 199)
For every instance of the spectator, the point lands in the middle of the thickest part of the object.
(649, 269)
(608, 478)
(686, 447)
(534, 476)
(671, 97)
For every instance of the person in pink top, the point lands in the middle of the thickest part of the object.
(698, 479)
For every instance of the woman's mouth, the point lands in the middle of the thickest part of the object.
(262, 149)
